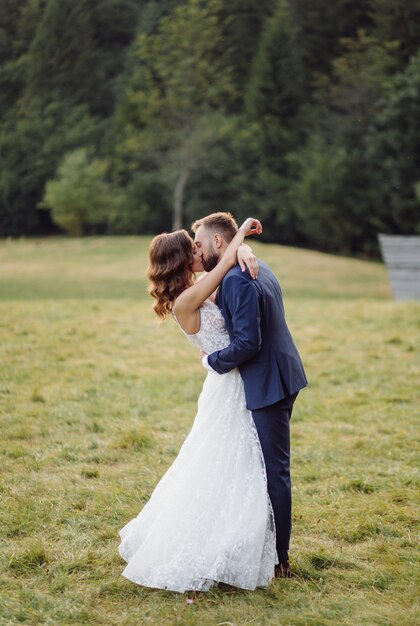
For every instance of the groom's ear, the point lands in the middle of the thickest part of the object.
(217, 240)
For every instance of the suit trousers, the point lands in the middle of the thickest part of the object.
(273, 427)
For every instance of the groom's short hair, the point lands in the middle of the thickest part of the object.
(221, 222)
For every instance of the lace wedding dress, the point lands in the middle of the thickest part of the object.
(209, 519)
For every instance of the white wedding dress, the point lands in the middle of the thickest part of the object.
(209, 519)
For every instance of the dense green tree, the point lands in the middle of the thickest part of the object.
(276, 88)
(349, 96)
(242, 22)
(145, 206)
(298, 45)
(153, 12)
(328, 186)
(222, 179)
(60, 65)
(80, 197)
(114, 27)
(18, 22)
(328, 197)
(397, 20)
(393, 153)
(320, 26)
(77, 51)
(276, 92)
(180, 78)
(30, 151)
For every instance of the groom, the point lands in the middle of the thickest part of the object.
(263, 349)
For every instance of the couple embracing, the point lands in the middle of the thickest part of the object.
(222, 512)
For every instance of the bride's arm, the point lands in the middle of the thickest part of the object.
(192, 298)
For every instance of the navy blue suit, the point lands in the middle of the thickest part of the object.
(263, 349)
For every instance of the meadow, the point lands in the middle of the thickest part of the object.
(97, 396)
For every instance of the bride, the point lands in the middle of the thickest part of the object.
(209, 519)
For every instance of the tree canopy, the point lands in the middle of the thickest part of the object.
(301, 112)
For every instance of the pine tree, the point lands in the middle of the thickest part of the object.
(18, 23)
(78, 51)
(242, 23)
(276, 88)
(393, 153)
(398, 20)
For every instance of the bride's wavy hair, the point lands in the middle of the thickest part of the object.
(170, 268)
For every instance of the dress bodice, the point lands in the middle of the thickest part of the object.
(212, 335)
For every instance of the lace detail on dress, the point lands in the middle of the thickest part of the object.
(212, 335)
(209, 519)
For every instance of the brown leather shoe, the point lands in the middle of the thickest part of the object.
(282, 570)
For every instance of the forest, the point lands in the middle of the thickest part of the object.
(137, 116)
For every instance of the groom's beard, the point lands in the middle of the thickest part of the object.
(210, 262)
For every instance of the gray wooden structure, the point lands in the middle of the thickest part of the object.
(402, 257)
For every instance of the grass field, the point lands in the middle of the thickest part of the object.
(95, 405)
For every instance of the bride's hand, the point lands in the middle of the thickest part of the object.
(251, 226)
(247, 259)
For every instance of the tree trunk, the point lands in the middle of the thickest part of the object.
(179, 199)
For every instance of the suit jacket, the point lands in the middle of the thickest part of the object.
(261, 344)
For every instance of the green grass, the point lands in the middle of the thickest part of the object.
(94, 407)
